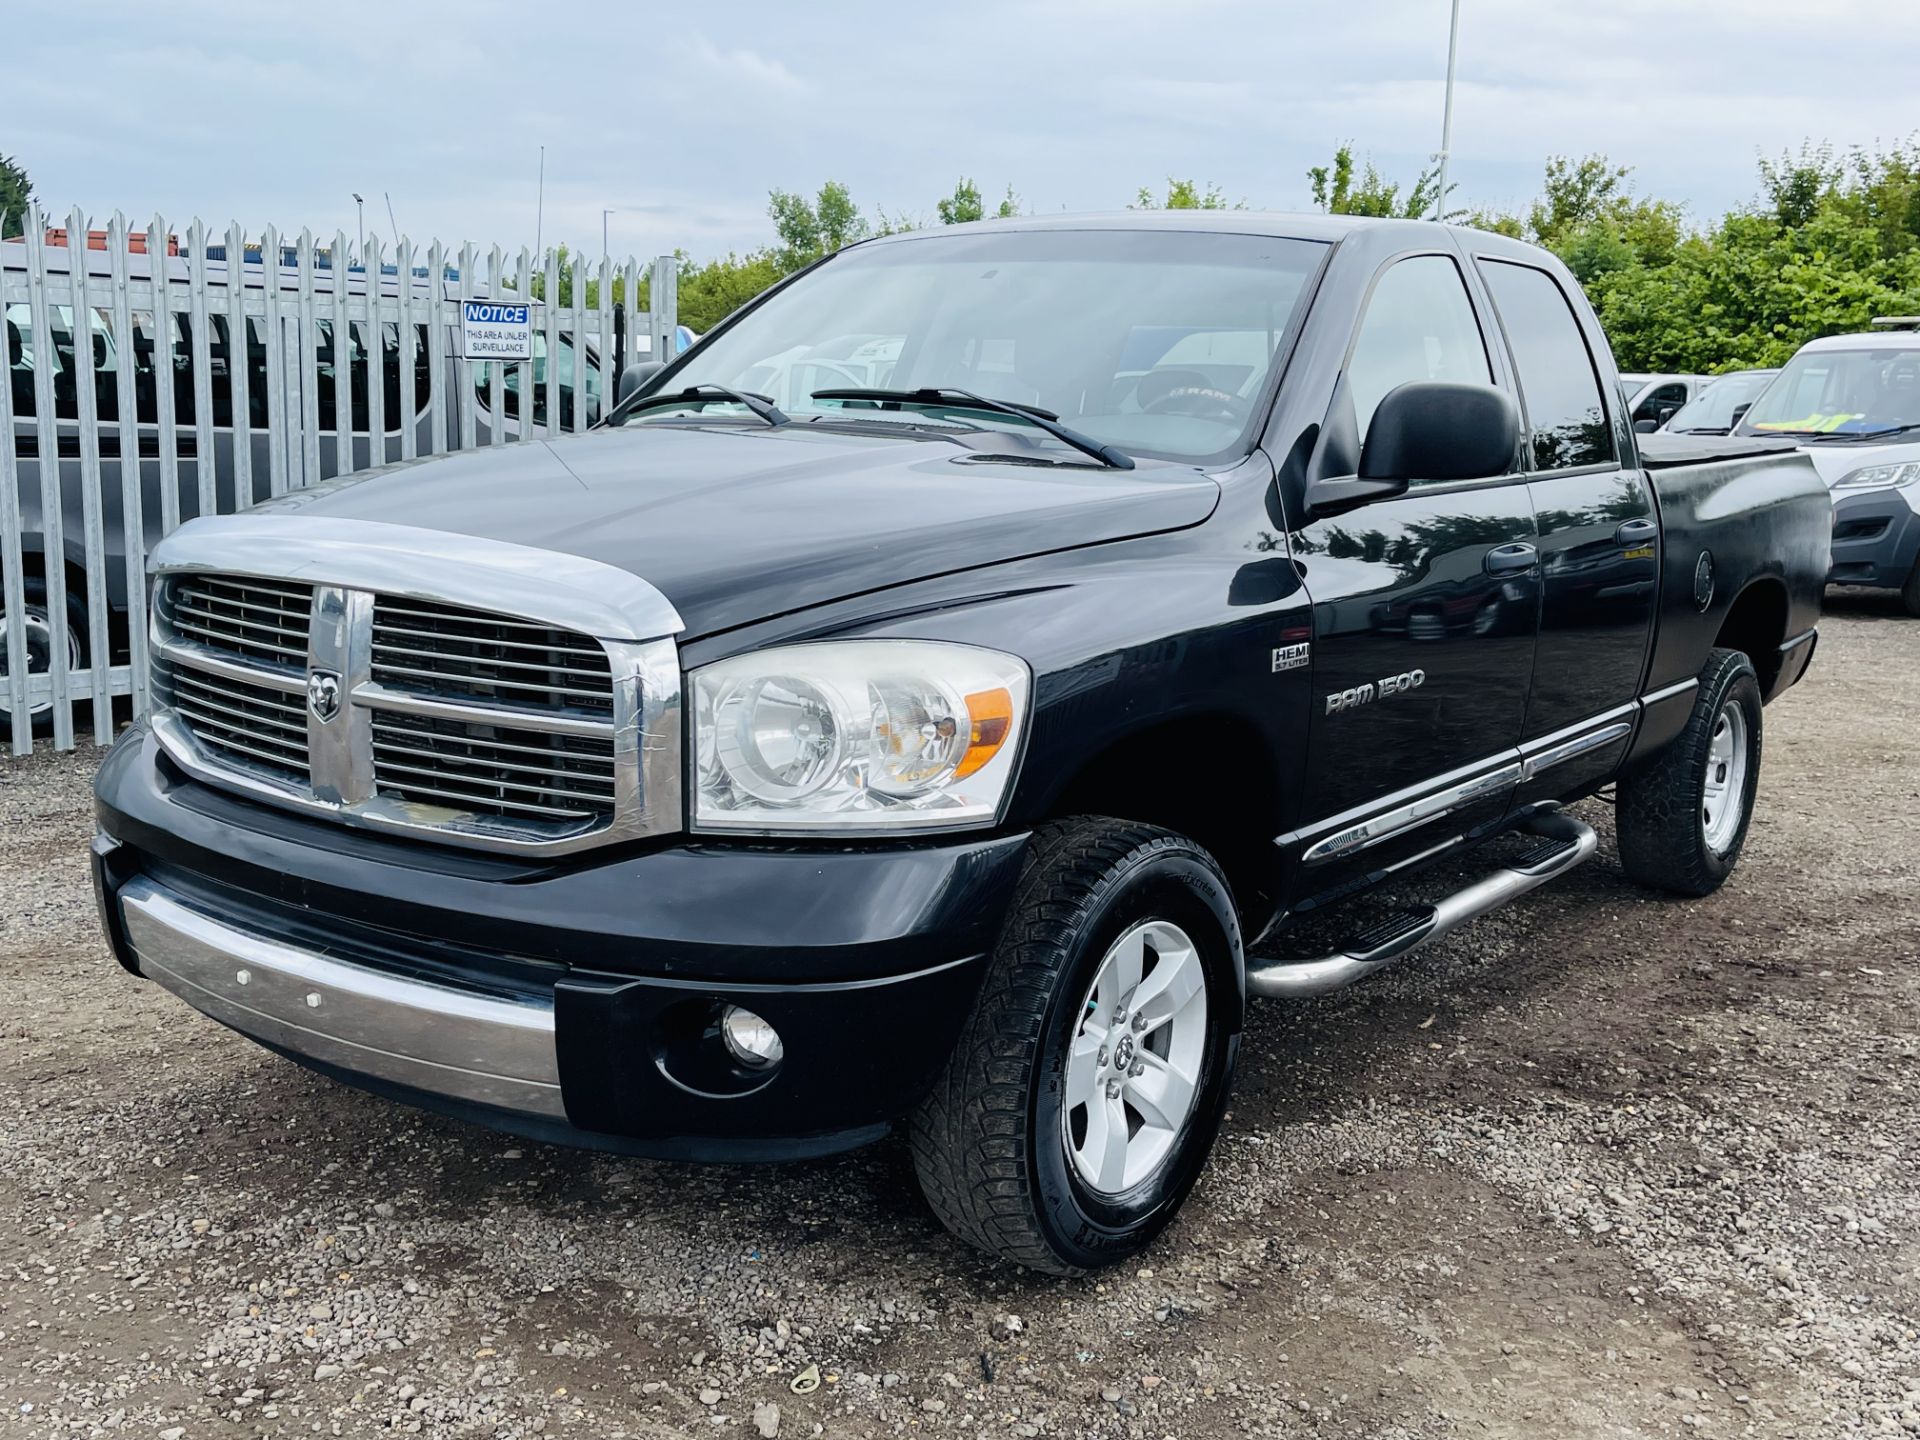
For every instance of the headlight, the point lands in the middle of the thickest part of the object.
(1880, 475)
(857, 735)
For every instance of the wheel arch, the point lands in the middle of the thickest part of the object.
(1756, 625)
(1212, 777)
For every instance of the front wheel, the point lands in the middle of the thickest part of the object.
(44, 632)
(1085, 1090)
(1910, 592)
(1683, 819)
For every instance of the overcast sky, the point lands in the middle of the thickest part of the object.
(682, 118)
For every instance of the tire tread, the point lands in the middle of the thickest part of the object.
(1657, 817)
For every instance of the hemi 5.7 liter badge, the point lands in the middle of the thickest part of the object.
(1292, 657)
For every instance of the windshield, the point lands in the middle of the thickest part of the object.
(1712, 409)
(1840, 393)
(1154, 342)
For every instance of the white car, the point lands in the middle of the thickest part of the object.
(1653, 399)
(1853, 404)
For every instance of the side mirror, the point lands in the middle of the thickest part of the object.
(1425, 430)
(1645, 427)
(1739, 414)
(637, 375)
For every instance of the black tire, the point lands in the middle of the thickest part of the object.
(990, 1141)
(35, 587)
(1663, 839)
(1910, 592)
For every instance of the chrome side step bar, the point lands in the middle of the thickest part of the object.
(1565, 843)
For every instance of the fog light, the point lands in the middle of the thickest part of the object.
(750, 1039)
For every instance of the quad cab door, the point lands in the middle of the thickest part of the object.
(1425, 609)
(1599, 537)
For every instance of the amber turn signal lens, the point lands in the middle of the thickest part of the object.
(990, 712)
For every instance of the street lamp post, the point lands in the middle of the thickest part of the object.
(360, 219)
(1446, 123)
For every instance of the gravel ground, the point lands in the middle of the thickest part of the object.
(1601, 1164)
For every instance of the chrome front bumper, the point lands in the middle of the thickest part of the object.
(430, 1038)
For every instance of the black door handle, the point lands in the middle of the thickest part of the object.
(1637, 532)
(1510, 559)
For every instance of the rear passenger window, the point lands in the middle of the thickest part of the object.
(1557, 379)
(1419, 325)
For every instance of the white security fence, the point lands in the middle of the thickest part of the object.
(129, 408)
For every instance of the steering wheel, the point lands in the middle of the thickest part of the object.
(1186, 392)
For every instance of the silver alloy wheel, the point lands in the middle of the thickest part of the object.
(1724, 795)
(1133, 1071)
(40, 641)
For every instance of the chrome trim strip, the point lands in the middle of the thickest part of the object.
(1384, 826)
(447, 1042)
(1569, 749)
(497, 576)
(1399, 797)
(373, 693)
(197, 657)
(1679, 687)
(340, 750)
(1788, 647)
(1555, 748)
(647, 735)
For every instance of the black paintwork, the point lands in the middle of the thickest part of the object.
(1148, 603)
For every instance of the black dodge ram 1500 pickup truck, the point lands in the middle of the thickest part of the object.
(915, 700)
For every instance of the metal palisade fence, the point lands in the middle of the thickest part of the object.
(155, 376)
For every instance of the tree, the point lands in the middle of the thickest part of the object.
(16, 193)
(1185, 195)
(810, 229)
(711, 291)
(965, 205)
(1335, 192)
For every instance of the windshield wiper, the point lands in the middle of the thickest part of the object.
(955, 399)
(1883, 433)
(761, 406)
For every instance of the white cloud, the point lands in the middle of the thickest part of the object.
(278, 112)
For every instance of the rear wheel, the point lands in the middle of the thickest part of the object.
(1683, 819)
(45, 632)
(1084, 1093)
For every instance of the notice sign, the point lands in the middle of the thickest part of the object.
(492, 331)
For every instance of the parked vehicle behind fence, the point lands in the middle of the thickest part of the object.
(914, 703)
(69, 380)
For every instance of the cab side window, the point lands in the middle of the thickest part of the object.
(1558, 382)
(1419, 325)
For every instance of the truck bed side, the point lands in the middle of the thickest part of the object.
(1761, 518)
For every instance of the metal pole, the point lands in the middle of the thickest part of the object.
(540, 201)
(360, 213)
(1446, 124)
(604, 252)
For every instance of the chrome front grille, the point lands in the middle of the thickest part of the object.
(494, 769)
(254, 727)
(256, 620)
(449, 650)
(421, 712)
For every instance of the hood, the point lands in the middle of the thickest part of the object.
(1836, 459)
(735, 525)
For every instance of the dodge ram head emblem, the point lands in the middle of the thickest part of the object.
(323, 695)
